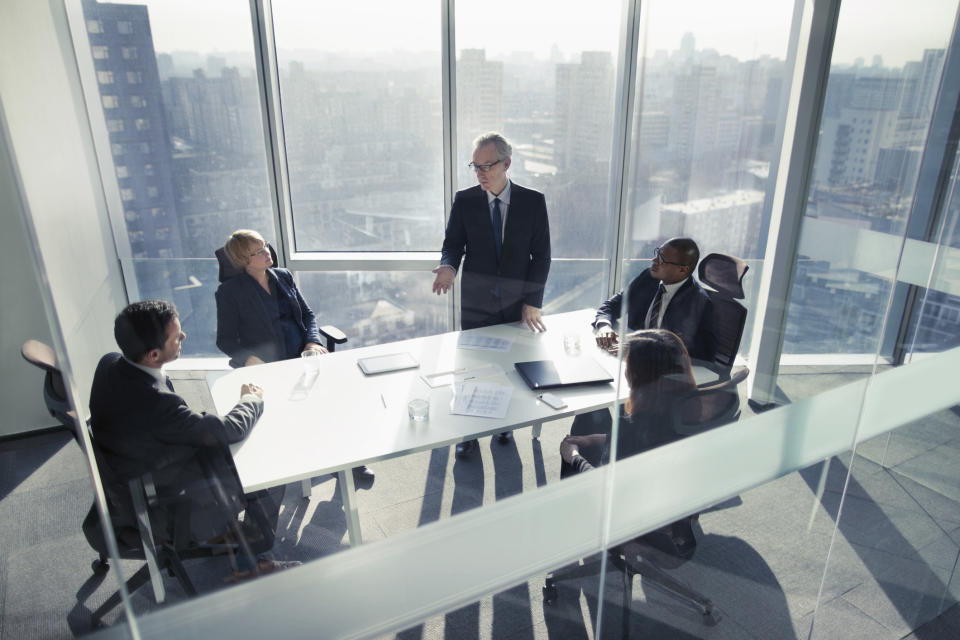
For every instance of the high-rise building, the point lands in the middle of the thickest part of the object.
(584, 92)
(479, 97)
(130, 92)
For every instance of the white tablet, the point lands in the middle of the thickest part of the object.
(389, 362)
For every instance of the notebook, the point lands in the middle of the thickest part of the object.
(550, 374)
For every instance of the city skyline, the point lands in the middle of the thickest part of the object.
(745, 29)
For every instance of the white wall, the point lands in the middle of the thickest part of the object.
(52, 150)
(23, 317)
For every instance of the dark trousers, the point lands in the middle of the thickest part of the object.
(471, 318)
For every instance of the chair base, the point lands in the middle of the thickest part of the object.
(631, 563)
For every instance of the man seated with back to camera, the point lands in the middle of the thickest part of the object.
(141, 425)
(664, 296)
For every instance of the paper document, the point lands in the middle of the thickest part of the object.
(481, 342)
(444, 378)
(482, 399)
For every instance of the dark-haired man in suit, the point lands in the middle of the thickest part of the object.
(140, 425)
(501, 233)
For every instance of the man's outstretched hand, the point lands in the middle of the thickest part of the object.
(444, 279)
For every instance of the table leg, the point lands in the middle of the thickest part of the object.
(536, 430)
(306, 488)
(348, 496)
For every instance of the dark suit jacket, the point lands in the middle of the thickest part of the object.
(689, 314)
(521, 273)
(140, 426)
(243, 325)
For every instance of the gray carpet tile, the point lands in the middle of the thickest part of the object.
(944, 626)
(837, 618)
(936, 469)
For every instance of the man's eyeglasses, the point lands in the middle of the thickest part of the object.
(483, 167)
(658, 254)
(263, 251)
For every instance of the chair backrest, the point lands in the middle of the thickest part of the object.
(711, 405)
(54, 390)
(724, 274)
(227, 270)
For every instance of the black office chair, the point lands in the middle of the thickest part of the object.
(156, 529)
(136, 539)
(709, 406)
(54, 390)
(331, 335)
(723, 274)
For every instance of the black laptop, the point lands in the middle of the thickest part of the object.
(550, 374)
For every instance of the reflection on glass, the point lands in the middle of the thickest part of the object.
(373, 307)
(360, 101)
(877, 108)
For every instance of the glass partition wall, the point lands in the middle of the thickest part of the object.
(833, 511)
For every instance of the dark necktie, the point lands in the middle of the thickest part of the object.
(497, 226)
(655, 308)
(169, 383)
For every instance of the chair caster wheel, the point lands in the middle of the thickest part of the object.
(709, 619)
(99, 567)
(549, 593)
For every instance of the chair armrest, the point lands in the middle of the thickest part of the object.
(332, 336)
(139, 494)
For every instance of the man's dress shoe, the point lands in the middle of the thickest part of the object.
(464, 449)
(363, 475)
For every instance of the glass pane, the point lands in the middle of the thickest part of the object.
(187, 142)
(375, 307)
(546, 79)
(189, 284)
(709, 85)
(360, 100)
(876, 115)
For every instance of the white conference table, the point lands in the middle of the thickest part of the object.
(339, 418)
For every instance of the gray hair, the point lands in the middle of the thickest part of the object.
(504, 149)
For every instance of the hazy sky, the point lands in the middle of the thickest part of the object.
(897, 30)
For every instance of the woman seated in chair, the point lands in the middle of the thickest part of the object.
(261, 316)
(659, 374)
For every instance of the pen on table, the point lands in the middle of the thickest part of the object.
(383, 400)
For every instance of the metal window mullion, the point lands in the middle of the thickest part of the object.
(268, 76)
(448, 82)
(809, 53)
(933, 185)
(623, 144)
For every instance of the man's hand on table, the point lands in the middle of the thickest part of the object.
(252, 360)
(607, 338)
(532, 318)
(250, 388)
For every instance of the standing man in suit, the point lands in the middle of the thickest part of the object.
(141, 425)
(501, 233)
(664, 296)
